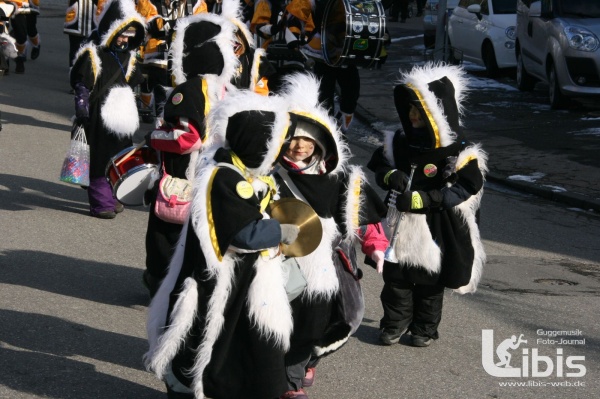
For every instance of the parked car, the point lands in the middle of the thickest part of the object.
(483, 32)
(557, 43)
(430, 20)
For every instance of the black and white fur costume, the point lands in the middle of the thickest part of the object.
(331, 307)
(220, 322)
(438, 246)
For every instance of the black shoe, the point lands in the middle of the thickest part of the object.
(106, 215)
(420, 341)
(119, 208)
(393, 19)
(20, 65)
(390, 336)
(35, 51)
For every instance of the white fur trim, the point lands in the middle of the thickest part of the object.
(415, 245)
(94, 59)
(158, 309)
(181, 320)
(323, 350)
(354, 203)
(119, 112)
(268, 303)
(214, 321)
(218, 119)
(421, 76)
(318, 267)
(127, 13)
(224, 40)
(467, 211)
(301, 91)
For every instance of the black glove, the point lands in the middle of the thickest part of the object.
(82, 103)
(449, 172)
(395, 180)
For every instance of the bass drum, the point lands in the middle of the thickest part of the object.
(352, 32)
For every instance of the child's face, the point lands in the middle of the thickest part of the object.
(415, 117)
(301, 148)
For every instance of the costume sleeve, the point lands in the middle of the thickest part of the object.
(84, 69)
(469, 182)
(372, 238)
(258, 235)
(380, 166)
(180, 138)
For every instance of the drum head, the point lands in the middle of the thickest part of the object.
(132, 186)
(353, 32)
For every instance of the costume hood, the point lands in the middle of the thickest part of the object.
(437, 91)
(114, 17)
(202, 45)
(256, 128)
(301, 94)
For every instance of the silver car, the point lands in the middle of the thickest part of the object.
(558, 43)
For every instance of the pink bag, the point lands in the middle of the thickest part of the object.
(173, 200)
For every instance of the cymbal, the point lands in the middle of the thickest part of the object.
(294, 211)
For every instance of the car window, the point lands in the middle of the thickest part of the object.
(464, 3)
(579, 8)
(504, 6)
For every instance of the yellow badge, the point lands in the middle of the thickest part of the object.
(177, 99)
(430, 170)
(244, 189)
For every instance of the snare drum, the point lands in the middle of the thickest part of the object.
(352, 32)
(129, 176)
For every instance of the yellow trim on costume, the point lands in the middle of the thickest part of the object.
(120, 28)
(209, 216)
(416, 201)
(466, 161)
(428, 113)
(237, 162)
(356, 205)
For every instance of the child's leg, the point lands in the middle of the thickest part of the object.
(428, 302)
(100, 196)
(396, 299)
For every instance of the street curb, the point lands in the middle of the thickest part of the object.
(567, 198)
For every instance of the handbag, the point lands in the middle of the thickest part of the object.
(76, 165)
(173, 199)
(295, 279)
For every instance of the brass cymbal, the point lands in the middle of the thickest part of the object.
(294, 211)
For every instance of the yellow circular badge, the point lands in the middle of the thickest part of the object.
(177, 99)
(244, 189)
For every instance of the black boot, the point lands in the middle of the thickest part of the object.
(20, 64)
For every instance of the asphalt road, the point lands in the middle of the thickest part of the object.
(72, 306)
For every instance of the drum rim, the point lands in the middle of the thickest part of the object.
(130, 172)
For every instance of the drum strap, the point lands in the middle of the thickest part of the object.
(291, 185)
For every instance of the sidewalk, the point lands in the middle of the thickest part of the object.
(377, 110)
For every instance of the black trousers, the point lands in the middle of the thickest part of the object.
(399, 7)
(349, 81)
(411, 299)
(24, 25)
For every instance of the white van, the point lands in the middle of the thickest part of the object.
(558, 43)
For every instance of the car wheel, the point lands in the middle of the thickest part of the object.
(525, 82)
(489, 60)
(557, 99)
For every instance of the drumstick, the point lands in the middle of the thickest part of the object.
(130, 153)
